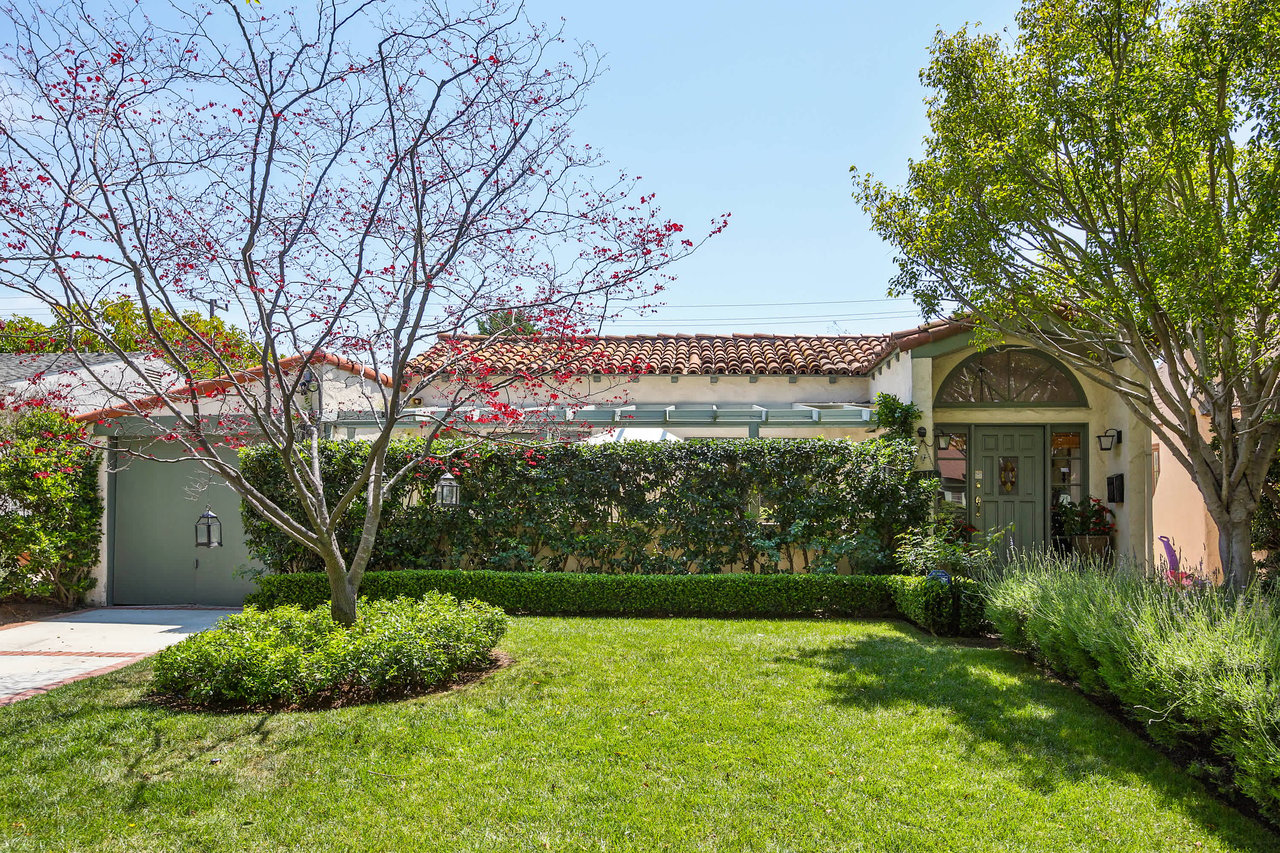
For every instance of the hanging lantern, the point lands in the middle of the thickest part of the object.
(208, 530)
(448, 492)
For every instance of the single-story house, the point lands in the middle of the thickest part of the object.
(1011, 430)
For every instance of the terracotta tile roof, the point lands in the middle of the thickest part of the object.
(759, 354)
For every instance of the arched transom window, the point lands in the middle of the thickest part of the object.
(1010, 377)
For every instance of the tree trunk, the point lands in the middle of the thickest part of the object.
(342, 593)
(1235, 547)
(342, 604)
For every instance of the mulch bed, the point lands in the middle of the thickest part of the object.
(18, 610)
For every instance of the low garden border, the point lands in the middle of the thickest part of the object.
(952, 608)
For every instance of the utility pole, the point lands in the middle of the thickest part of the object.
(215, 305)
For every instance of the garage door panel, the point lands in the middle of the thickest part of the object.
(154, 559)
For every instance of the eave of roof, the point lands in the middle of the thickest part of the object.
(206, 387)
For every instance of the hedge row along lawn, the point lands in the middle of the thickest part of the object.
(953, 608)
(624, 735)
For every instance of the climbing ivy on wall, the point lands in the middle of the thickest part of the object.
(763, 505)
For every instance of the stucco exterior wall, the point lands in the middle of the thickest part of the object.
(720, 389)
(1178, 511)
(895, 375)
(97, 596)
(699, 390)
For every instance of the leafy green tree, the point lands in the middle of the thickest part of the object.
(1108, 186)
(511, 321)
(189, 338)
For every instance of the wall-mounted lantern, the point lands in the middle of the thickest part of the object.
(941, 440)
(928, 451)
(448, 492)
(208, 530)
(1109, 439)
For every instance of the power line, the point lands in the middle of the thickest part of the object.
(784, 304)
(874, 315)
(763, 321)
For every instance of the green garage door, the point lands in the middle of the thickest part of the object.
(153, 510)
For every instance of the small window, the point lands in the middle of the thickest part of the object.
(1066, 476)
(953, 468)
(1009, 377)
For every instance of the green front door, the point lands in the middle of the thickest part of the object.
(1008, 466)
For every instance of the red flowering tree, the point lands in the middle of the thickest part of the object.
(350, 180)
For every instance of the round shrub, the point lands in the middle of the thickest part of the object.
(288, 656)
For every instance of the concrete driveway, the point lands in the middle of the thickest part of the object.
(36, 657)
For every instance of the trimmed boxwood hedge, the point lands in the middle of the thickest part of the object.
(945, 609)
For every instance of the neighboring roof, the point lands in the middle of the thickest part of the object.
(21, 367)
(208, 387)
(760, 354)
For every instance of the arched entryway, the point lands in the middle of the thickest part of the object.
(1006, 465)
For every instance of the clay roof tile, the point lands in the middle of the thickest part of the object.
(678, 354)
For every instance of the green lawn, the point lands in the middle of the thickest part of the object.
(611, 734)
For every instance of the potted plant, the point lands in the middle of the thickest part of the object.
(1089, 525)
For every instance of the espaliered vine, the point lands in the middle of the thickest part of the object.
(760, 505)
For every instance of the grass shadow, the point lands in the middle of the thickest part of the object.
(1051, 735)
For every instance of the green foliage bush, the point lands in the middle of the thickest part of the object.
(50, 509)
(765, 505)
(897, 419)
(940, 608)
(290, 655)
(943, 544)
(1199, 669)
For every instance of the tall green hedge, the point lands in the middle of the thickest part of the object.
(50, 509)
(705, 506)
(948, 609)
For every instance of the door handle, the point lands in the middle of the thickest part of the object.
(977, 507)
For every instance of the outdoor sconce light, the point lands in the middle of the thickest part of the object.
(448, 492)
(310, 384)
(1109, 439)
(941, 440)
(208, 530)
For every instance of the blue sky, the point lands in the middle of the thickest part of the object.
(759, 109)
